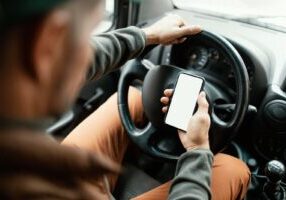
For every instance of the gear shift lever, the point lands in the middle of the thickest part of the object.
(272, 190)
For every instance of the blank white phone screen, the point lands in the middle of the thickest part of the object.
(183, 101)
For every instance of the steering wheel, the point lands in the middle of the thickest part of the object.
(158, 139)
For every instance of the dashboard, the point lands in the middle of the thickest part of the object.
(264, 54)
(208, 59)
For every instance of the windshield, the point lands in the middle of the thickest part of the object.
(266, 13)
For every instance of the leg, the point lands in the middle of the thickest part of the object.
(102, 132)
(230, 179)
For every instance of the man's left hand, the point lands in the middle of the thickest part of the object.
(171, 29)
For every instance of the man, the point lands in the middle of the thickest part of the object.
(44, 58)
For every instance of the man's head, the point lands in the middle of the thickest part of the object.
(44, 52)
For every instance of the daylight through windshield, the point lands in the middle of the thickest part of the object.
(264, 13)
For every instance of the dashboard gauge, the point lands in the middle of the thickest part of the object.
(214, 54)
(198, 57)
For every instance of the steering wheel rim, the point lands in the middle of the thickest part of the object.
(135, 69)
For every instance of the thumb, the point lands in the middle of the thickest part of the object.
(203, 103)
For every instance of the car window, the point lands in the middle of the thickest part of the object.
(107, 23)
(265, 13)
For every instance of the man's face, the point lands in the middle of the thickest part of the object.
(72, 65)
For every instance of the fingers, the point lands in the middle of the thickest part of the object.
(177, 41)
(168, 92)
(165, 109)
(181, 40)
(203, 103)
(179, 35)
(184, 27)
(165, 100)
(190, 30)
(172, 29)
(180, 22)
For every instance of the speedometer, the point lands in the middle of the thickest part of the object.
(198, 58)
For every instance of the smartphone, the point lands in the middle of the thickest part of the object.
(184, 100)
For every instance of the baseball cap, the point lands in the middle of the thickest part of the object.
(17, 11)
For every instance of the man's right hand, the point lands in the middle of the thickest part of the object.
(197, 135)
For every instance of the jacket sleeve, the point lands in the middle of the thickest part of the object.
(193, 176)
(114, 48)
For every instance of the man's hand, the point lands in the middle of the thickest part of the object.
(171, 29)
(197, 135)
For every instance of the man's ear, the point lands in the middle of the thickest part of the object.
(49, 45)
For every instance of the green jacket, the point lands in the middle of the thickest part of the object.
(193, 174)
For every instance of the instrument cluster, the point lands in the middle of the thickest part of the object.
(210, 60)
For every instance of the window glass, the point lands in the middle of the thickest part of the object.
(108, 18)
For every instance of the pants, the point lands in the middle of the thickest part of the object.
(102, 132)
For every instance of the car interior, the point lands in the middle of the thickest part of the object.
(243, 61)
